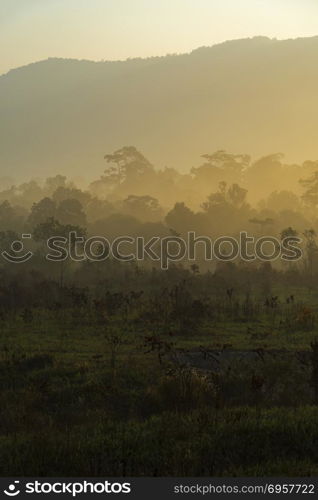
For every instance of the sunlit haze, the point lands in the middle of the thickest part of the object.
(31, 30)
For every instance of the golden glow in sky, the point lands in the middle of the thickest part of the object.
(31, 30)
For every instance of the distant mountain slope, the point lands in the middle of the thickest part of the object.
(257, 96)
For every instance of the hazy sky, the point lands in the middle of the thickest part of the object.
(31, 30)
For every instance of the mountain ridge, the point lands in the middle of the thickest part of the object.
(251, 95)
(115, 61)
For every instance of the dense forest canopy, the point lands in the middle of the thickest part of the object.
(133, 198)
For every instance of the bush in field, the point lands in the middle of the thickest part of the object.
(183, 389)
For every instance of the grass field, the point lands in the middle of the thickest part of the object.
(82, 394)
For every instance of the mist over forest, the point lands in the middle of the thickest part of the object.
(226, 193)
